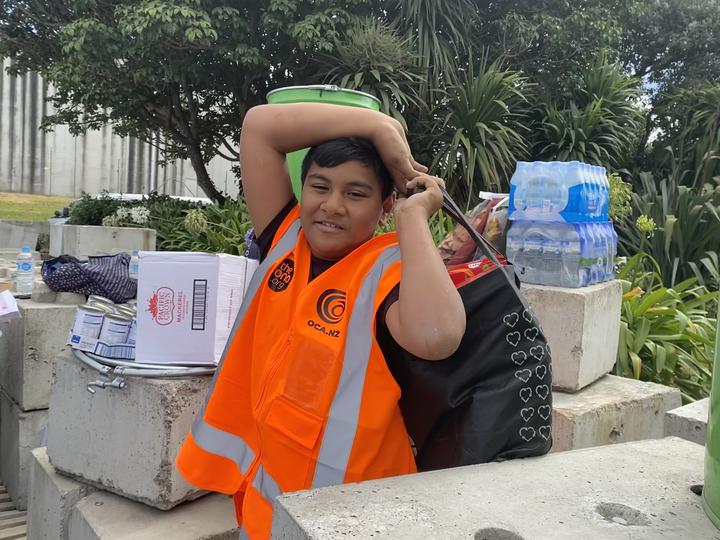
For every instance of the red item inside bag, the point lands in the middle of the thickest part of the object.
(464, 273)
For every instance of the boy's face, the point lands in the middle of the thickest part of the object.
(341, 207)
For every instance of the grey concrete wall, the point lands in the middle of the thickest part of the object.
(57, 163)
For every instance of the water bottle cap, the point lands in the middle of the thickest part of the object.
(25, 249)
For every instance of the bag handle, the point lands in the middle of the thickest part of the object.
(453, 210)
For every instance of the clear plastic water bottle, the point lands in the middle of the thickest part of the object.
(605, 183)
(134, 269)
(24, 272)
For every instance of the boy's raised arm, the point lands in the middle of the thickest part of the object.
(428, 320)
(269, 132)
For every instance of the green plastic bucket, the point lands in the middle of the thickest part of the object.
(711, 491)
(320, 93)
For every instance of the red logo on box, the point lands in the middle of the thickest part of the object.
(162, 305)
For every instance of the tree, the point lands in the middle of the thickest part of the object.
(186, 70)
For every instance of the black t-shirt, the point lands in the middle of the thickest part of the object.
(388, 345)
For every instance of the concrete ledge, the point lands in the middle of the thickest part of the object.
(124, 441)
(28, 348)
(689, 422)
(51, 498)
(103, 516)
(612, 410)
(81, 241)
(20, 433)
(582, 327)
(638, 490)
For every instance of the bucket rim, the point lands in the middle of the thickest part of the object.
(325, 88)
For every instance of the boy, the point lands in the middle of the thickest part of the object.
(303, 397)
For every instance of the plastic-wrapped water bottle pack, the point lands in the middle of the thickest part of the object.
(560, 233)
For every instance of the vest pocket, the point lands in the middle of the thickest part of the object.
(289, 440)
(294, 422)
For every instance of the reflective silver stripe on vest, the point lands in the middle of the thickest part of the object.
(243, 534)
(345, 409)
(266, 485)
(210, 438)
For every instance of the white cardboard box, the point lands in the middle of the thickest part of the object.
(187, 304)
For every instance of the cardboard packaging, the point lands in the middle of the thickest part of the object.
(187, 304)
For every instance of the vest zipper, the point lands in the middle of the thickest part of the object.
(274, 366)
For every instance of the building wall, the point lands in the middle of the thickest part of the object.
(57, 163)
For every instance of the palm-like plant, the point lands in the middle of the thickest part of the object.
(481, 130)
(690, 134)
(372, 57)
(600, 122)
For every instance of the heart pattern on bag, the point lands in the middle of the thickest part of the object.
(523, 374)
(520, 337)
(511, 320)
(541, 371)
(531, 333)
(513, 338)
(518, 357)
(544, 411)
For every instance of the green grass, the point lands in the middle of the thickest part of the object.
(26, 207)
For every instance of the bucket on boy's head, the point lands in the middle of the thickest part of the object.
(711, 490)
(321, 93)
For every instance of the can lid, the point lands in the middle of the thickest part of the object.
(98, 298)
(92, 309)
(102, 306)
(118, 317)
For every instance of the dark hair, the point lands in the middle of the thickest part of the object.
(338, 151)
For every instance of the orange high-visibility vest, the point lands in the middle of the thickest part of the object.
(302, 397)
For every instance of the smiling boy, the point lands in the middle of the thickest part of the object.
(303, 397)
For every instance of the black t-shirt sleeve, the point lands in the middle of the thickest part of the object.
(264, 241)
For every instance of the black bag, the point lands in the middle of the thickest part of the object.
(491, 400)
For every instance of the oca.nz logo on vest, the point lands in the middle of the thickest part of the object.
(330, 309)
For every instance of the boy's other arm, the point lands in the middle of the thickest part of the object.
(428, 320)
(269, 132)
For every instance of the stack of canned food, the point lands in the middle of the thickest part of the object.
(101, 319)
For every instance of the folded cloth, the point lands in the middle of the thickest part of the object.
(106, 275)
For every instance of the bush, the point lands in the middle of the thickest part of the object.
(688, 229)
(666, 334)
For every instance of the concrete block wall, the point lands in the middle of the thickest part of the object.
(124, 441)
(28, 347)
(82, 241)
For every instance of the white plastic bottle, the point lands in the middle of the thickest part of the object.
(24, 272)
(134, 269)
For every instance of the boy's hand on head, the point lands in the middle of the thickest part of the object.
(427, 196)
(392, 145)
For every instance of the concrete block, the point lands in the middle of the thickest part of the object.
(582, 327)
(612, 410)
(8, 255)
(28, 348)
(638, 490)
(69, 299)
(42, 293)
(124, 441)
(14, 236)
(51, 498)
(20, 433)
(689, 422)
(103, 516)
(82, 241)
